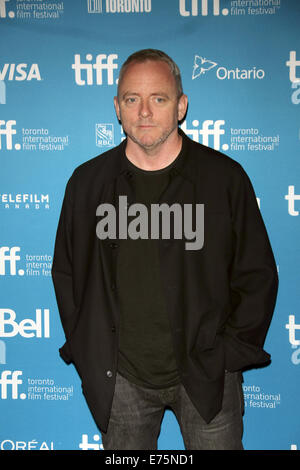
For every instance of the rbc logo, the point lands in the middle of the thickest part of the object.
(84, 72)
(104, 135)
(209, 128)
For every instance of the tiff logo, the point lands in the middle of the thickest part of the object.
(86, 445)
(292, 327)
(292, 64)
(11, 14)
(84, 72)
(10, 380)
(295, 98)
(209, 128)
(188, 7)
(6, 129)
(291, 197)
(9, 255)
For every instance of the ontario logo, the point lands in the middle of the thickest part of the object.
(202, 66)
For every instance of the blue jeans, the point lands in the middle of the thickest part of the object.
(137, 413)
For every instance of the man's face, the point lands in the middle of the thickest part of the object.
(147, 104)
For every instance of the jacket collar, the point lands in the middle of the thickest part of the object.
(117, 163)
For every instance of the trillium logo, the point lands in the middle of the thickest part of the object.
(202, 65)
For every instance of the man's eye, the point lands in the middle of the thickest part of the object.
(160, 100)
(130, 100)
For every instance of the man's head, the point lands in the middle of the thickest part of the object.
(153, 55)
(150, 100)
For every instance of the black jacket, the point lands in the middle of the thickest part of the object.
(220, 298)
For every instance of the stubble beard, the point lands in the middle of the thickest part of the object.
(148, 148)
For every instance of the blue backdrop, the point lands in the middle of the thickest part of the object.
(59, 62)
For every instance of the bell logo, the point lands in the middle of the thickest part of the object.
(202, 7)
(2, 352)
(27, 328)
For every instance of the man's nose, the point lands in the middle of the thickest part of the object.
(145, 109)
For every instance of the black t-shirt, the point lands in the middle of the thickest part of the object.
(146, 351)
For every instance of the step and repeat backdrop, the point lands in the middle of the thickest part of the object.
(59, 65)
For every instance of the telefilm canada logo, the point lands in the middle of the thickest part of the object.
(119, 6)
(203, 66)
(24, 201)
(232, 7)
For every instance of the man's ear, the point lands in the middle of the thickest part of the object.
(117, 107)
(182, 106)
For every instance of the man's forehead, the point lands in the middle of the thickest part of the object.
(149, 70)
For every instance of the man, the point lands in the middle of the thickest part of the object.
(151, 318)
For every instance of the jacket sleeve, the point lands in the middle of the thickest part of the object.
(253, 281)
(62, 271)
